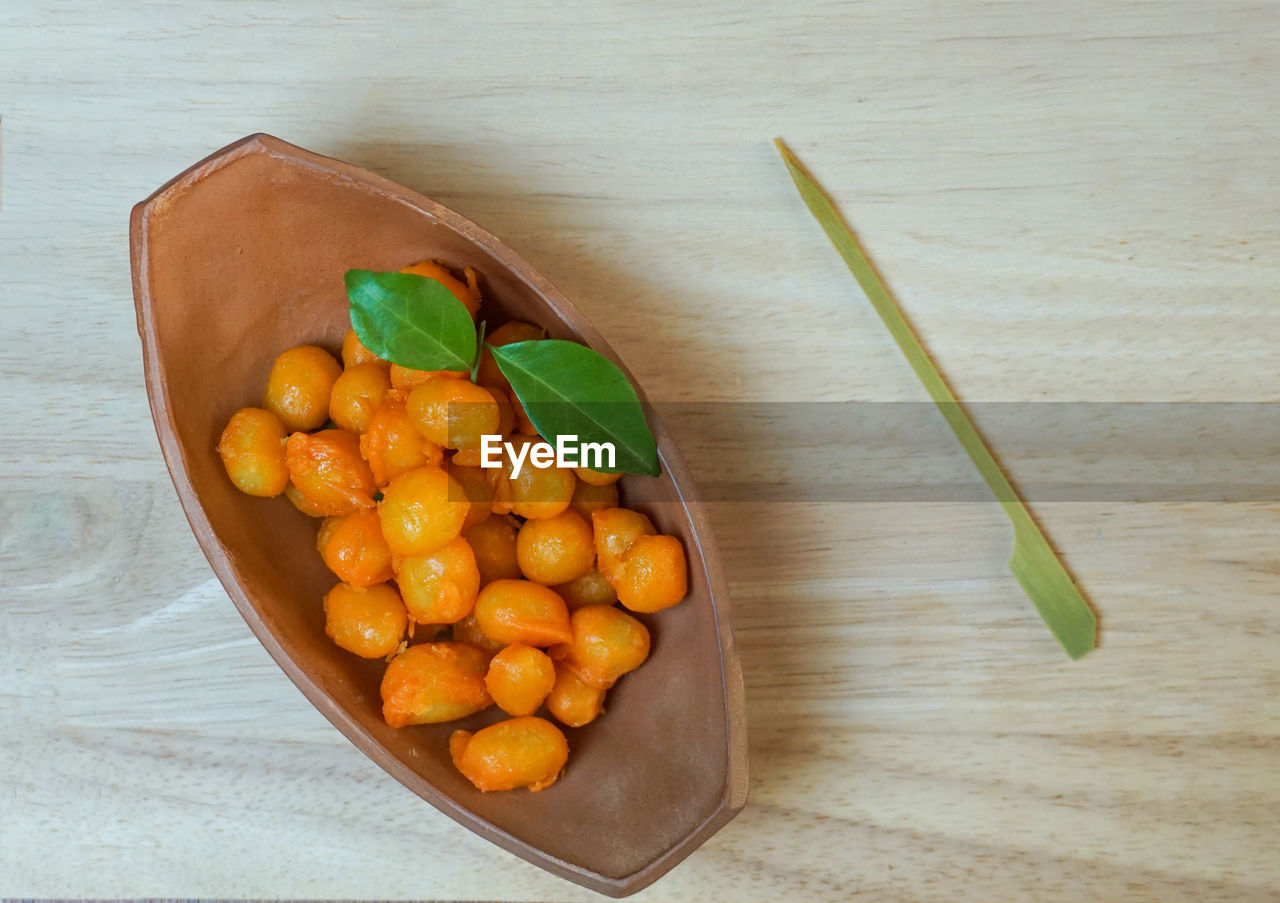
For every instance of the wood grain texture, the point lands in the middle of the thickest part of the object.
(1072, 201)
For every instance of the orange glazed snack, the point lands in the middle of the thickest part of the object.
(607, 643)
(572, 702)
(440, 588)
(522, 575)
(354, 352)
(595, 477)
(327, 470)
(392, 444)
(524, 425)
(494, 542)
(517, 611)
(369, 621)
(476, 489)
(653, 574)
(433, 682)
(327, 526)
(538, 492)
(454, 413)
(406, 378)
(468, 631)
(299, 386)
(488, 373)
(420, 512)
(519, 678)
(519, 752)
(299, 501)
(467, 293)
(356, 395)
(353, 548)
(252, 451)
(506, 412)
(588, 499)
(590, 589)
(555, 549)
(615, 530)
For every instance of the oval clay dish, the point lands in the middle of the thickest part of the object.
(243, 256)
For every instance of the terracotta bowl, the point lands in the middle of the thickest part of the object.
(241, 257)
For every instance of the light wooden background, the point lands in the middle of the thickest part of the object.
(1074, 201)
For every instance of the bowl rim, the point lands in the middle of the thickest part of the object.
(734, 793)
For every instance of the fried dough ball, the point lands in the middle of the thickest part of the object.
(433, 682)
(299, 386)
(517, 611)
(519, 678)
(327, 470)
(369, 621)
(252, 451)
(441, 587)
(519, 752)
(555, 549)
(421, 511)
(607, 643)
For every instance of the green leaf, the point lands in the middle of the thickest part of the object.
(569, 390)
(1035, 564)
(411, 320)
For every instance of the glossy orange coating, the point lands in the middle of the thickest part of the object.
(517, 611)
(439, 588)
(476, 489)
(494, 542)
(592, 588)
(327, 470)
(302, 503)
(555, 549)
(519, 678)
(653, 575)
(354, 352)
(468, 631)
(299, 385)
(392, 444)
(421, 511)
(520, 752)
(588, 499)
(454, 413)
(468, 294)
(353, 548)
(406, 378)
(538, 492)
(595, 477)
(607, 643)
(327, 526)
(506, 410)
(572, 702)
(252, 451)
(615, 530)
(432, 682)
(471, 456)
(356, 395)
(488, 373)
(524, 426)
(369, 621)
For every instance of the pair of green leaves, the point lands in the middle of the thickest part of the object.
(566, 388)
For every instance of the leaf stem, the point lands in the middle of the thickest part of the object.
(475, 367)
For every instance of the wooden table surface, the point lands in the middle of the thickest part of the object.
(1074, 201)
